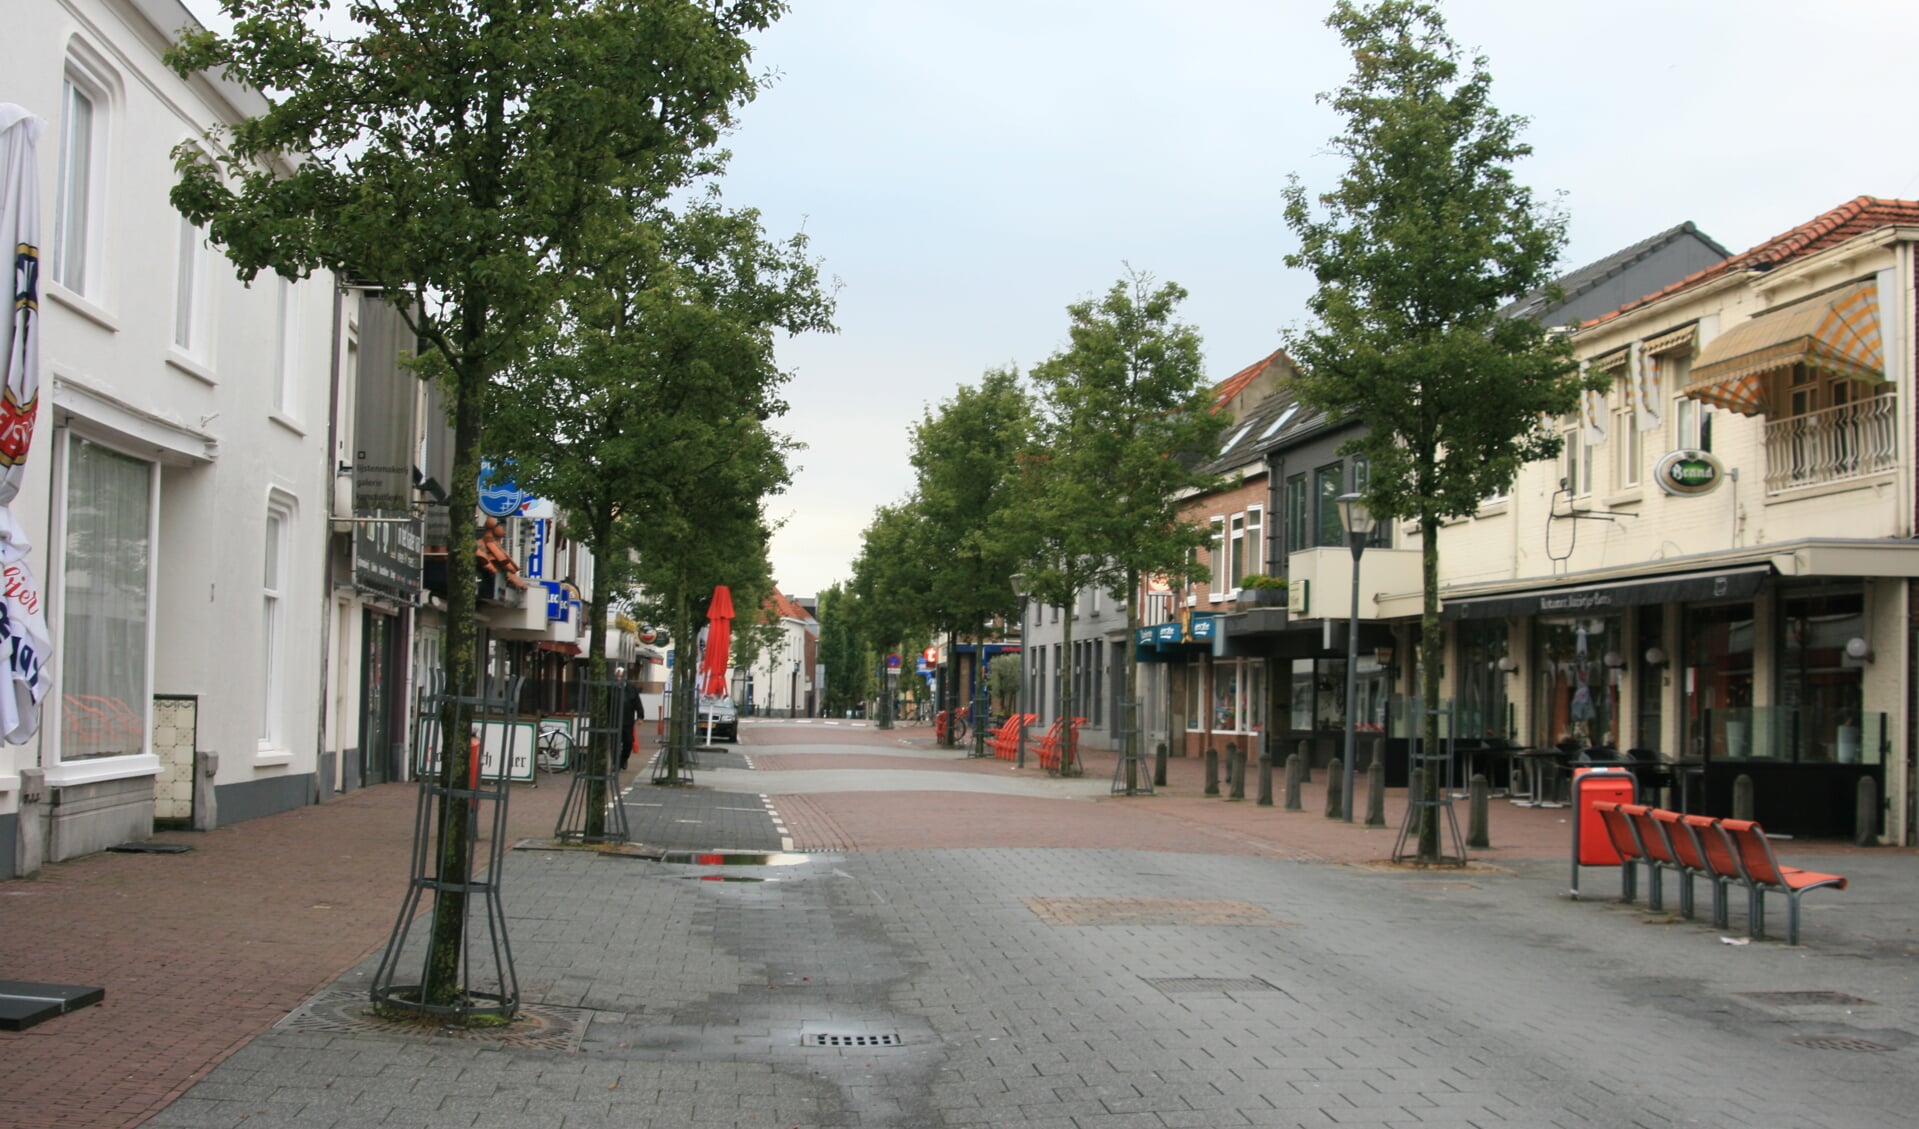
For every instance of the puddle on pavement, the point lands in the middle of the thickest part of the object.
(733, 858)
(721, 878)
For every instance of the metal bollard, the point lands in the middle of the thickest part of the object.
(1865, 818)
(1376, 792)
(1265, 777)
(1212, 771)
(1159, 766)
(1305, 762)
(1742, 796)
(1235, 771)
(1292, 783)
(1334, 808)
(1477, 808)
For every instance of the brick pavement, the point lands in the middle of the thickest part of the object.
(700, 989)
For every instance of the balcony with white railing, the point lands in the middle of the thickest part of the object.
(1850, 441)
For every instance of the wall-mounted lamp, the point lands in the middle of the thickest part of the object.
(1614, 660)
(1655, 657)
(1858, 650)
(1508, 664)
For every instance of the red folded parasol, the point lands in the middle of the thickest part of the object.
(719, 640)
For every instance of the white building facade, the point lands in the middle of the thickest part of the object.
(176, 488)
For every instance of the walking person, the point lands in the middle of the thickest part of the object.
(632, 712)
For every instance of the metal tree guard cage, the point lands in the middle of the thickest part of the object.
(437, 843)
(596, 770)
(1425, 762)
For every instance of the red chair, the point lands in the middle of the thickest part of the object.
(1761, 871)
(1688, 858)
(1720, 867)
(1658, 853)
(1619, 830)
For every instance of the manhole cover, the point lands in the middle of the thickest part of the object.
(534, 1028)
(1839, 1043)
(831, 1039)
(1213, 985)
(1807, 999)
(1148, 911)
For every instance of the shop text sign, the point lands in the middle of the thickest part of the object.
(1687, 473)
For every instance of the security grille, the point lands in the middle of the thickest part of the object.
(828, 1039)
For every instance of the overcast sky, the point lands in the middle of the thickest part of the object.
(966, 168)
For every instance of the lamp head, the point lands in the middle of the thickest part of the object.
(1354, 514)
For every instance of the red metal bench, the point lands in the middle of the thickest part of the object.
(1751, 851)
(1059, 752)
(1006, 738)
(1658, 852)
(1619, 831)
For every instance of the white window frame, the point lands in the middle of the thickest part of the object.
(286, 372)
(83, 273)
(1255, 534)
(1629, 453)
(96, 769)
(1216, 560)
(275, 559)
(190, 292)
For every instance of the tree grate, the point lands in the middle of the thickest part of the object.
(539, 1028)
(831, 1039)
(1210, 985)
(1840, 1043)
(1807, 999)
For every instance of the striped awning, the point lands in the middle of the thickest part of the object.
(1836, 333)
(1678, 341)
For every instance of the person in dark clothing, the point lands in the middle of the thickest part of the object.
(632, 712)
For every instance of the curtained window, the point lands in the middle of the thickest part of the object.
(107, 573)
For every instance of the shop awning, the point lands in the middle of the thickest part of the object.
(1597, 599)
(1837, 333)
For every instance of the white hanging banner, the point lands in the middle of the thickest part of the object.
(1647, 396)
(1592, 412)
(23, 628)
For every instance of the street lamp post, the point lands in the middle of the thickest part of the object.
(1019, 589)
(1359, 526)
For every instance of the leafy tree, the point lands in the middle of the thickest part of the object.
(662, 350)
(454, 153)
(1125, 420)
(891, 585)
(965, 457)
(842, 652)
(1423, 240)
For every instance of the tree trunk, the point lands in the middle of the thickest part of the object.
(1129, 710)
(1429, 659)
(462, 585)
(1068, 758)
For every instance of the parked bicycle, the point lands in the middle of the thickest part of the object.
(555, 750)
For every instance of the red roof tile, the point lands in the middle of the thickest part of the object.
(781, 606)
(1236, 383)
(1855, 217)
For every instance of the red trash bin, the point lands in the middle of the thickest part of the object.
(1591, 845)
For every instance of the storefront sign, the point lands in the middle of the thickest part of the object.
(387, 555)
(1687, 473)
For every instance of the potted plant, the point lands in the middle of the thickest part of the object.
(1261, 591)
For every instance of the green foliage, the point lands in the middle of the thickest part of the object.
(1426, 236)
(1124, 421)
(456, 155)
(849, 676)
(1260, 580)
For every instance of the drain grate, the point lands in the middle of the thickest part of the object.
(1213, 985)
(1807, 999)
(832, 1039)
(1840, 1043)
(540, 1028)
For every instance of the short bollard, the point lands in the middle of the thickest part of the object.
(1477, 808)
(1292, 783)
(1334, 808)
(1376, 793)
(1212, 771)
(1235, 771)
(1305, 762)
(1159, 766)
(1265, 778)
(1742, 796)
(1865, 817)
